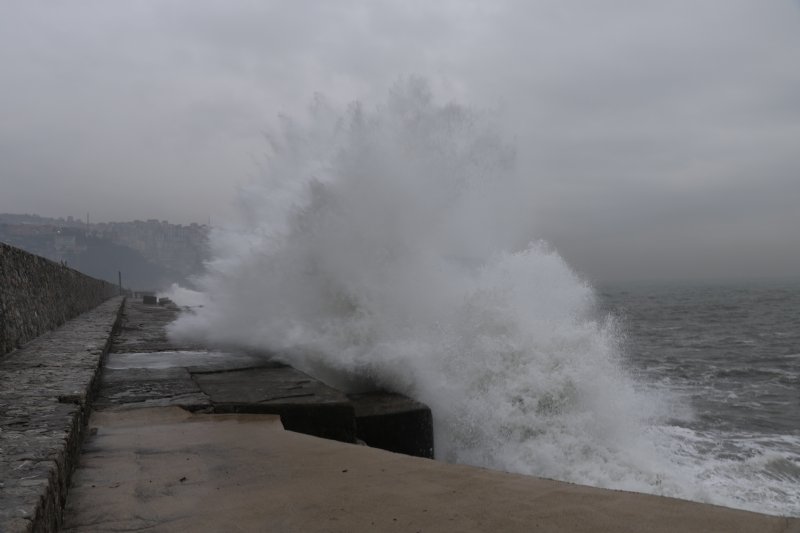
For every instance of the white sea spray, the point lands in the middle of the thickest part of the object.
(390, 247)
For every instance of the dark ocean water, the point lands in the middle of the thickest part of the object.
(730, 356)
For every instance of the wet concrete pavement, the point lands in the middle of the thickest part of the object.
(158, 373)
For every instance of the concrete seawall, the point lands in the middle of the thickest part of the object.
(38, 295)
(55, 330)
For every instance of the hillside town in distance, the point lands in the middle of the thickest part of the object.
(149, 255)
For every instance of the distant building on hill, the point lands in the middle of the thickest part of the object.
(150, 254)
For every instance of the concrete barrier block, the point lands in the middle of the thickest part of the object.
(394, 422)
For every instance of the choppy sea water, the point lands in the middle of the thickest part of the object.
(730, 354)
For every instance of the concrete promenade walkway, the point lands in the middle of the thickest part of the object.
(151, 465)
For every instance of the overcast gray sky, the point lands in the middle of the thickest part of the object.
(662, 137)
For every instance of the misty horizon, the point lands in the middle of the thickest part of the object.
(599, 282)
(657, 141)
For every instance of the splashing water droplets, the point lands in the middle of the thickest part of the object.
(389, 245)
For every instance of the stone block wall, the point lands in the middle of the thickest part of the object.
(38, 295)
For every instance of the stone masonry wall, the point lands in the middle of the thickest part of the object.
(38, 295)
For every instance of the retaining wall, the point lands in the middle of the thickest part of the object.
(38, 295)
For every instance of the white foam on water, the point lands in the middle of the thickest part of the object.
(756, 472)
(391, 247)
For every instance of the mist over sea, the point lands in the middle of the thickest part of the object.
(390, 246)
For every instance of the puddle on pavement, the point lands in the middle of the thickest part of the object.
(161, 360)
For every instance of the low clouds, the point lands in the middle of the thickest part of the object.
(659, 137)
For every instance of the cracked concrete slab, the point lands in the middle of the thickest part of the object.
(146, 387)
